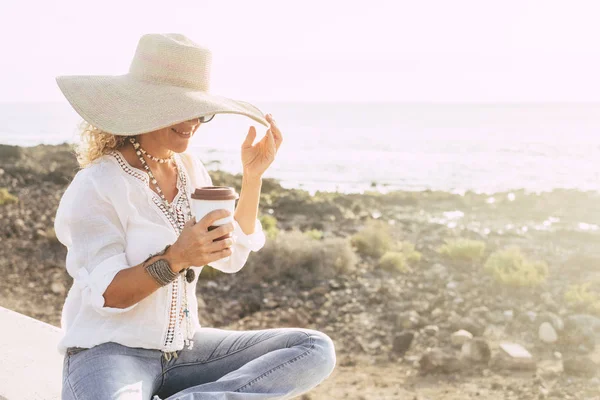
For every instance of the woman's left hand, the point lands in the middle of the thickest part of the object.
(256, 159)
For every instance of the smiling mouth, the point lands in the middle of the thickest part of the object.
(187, 134)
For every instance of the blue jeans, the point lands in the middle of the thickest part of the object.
(279, 363)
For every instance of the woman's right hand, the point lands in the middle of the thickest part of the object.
(196, 245)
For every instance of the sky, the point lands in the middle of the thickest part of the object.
(404, 51)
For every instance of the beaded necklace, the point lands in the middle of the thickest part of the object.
(189, 272)
(144, 152)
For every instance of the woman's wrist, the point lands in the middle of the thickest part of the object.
(173, 258)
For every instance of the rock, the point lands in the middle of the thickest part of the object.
(438, 360)
(513, 356)
(451, 285)
(459, 337)
(515, 350)
(409, 320)
(368, 346)
(401, 342)
(270, 303)
(352, 308)
(547, 333)
(333, 284)
(556, 321)
(476, 350)
(431, 330)
(421, 306)
(580, 366)
(508, 315)
(39, 233)
(471, 325)
(479, 313)
(319, 291)
(57, 287)
(458, 301)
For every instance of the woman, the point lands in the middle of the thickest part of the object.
(135, 251)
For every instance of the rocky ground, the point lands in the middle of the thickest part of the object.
(444, 330)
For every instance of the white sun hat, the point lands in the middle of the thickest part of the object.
(168, 82)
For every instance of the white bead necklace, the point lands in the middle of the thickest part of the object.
(139, 151)
(188, 272)
(137, 146)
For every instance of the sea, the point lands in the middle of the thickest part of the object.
(356, 147)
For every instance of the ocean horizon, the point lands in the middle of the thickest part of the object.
(353, 147)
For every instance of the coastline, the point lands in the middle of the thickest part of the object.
(367, 309)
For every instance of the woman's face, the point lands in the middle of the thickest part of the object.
(176, 137)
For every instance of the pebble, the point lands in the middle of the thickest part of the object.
(471, 325)
(57, 287)
(431, 330)
(460, 337)
(20, 223)
(451, 285)
(270, 303)
(402, 341)
(476, 350)
(556, 321)
(438, 360)
(514, 356)
(547, 333)
(40, 233)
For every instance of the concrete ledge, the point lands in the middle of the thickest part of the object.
(30, 364)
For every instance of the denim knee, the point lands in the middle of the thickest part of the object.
(324, 348)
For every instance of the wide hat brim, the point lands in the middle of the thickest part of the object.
(124, 105)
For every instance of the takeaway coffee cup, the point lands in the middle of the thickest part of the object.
(209, 198)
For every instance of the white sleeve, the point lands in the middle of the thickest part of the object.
(243, 243)
(88, 225)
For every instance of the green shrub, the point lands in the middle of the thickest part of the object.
(374, 239)
(394, 261)
(6, 197)
(462, 249)
(510, 267)
(580, 298)
(295, 256)
(408, 249)
(269, 224)
(401, 258)
(314, 234)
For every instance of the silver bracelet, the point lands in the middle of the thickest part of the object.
(160, 269)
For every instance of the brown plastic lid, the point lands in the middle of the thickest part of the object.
(215, 193)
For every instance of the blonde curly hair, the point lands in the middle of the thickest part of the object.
(95, 143)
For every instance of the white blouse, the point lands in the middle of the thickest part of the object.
(110, 219)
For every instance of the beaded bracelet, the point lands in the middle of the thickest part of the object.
(160, 269)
